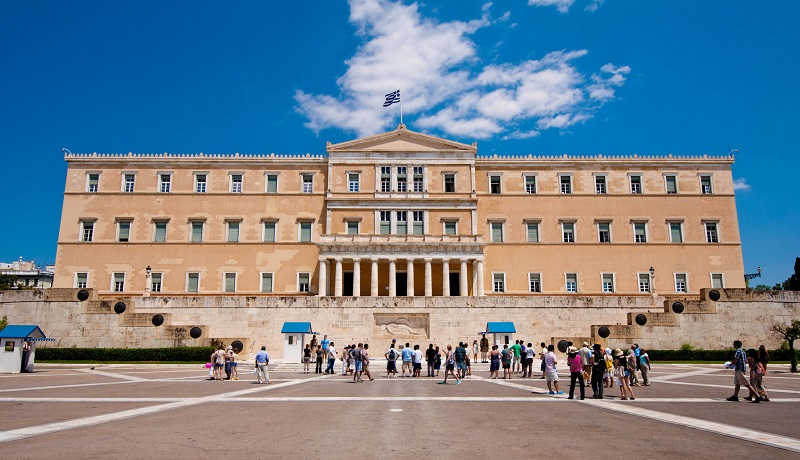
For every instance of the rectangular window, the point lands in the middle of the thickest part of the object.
(352, 227)
(417, 179)
(123, 231)
(193, 282)
(230, 282)
(571, 282)
(530, 184)
(608, 282)
(533, 232)
(450, 227)
(676, 232)
(644, 282)
(402, 177)
(402, 222)
(636, 185)
(386, 179)
(308, 183)
(498, 282)
(680, 283)
(671, 183)
(118, 283)
(535, 282)
(566, 184)
(352, 182)
(272, 183)
(705, 185)
(233, 232)
(305, 232)
(130, 183)
(568, 232)
(600, 184)
(497, 232)
(711, 232)
(494, 184)
(236, 183)
(604, 232)
(159, 232)
(165, 182)
(93, 183)
(87, 231)
(155, 282)
(385, 222)
(81, 280)
(200, 183)
(303, 282)
(266, 282)
(418, 222)
(640, 232)
(717, 281)
(269, 232)
(197, 232)
(449, 183)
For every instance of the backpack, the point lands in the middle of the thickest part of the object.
(392, 355)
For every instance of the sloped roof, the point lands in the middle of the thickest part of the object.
(423, 142)
(22, 331)
(501, 327)
(296, 328)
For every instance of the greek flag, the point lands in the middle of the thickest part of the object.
(391, 98)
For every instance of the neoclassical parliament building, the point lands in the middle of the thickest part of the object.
(398, 214)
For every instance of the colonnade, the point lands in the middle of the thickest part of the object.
(338, 275)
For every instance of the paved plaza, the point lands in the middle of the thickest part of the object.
(149, 411)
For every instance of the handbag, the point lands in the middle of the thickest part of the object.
(585, 375)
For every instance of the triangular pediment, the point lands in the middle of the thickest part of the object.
(401, 140)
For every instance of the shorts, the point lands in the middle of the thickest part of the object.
(461, 366)
(233, 364)
(551, 376)
(740, 379)
(494, 366)
(359, 366)
(391, 366)
(406, 365)
(417, 366)
(449, 367)
(306, 360)
(516, 360)
(506, 365)
(218, 365)
(365, 366)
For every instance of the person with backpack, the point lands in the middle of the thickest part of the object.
(450, 365)
(365, 361)
(430, 359)
(644, 366)
(391, 361)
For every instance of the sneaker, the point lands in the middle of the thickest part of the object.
(442, 383)
(732, 398)
(458, 382)
(552, 393)
(560, 393)
(757, 399)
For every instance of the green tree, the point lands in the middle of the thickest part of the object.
(790, 333)
(7, 281)
(762, 287)
(3, 322)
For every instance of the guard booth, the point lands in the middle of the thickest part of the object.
(294, 340)
(502, 333)
(18, 347)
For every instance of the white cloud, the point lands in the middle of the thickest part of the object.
(741, 184)
(592, 7)
(562, 5)
(443, 84)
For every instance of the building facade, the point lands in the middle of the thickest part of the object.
(398, 214)
(26, 274)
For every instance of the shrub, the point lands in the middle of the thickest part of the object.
(709, 355)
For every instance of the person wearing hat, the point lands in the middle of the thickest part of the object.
(622, 373)
(575, 371)
(609, 373)
(585, 354)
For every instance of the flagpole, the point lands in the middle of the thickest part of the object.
(401, 107)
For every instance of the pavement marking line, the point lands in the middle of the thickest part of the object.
(89, 400)
(28, 432)
(113, 375)
(518, 386)
(730, 387)
(683, 374)
(772, 440)
(75, 385)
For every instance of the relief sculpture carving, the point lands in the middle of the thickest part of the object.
(412, 325)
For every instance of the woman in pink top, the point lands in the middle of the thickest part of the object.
(575, 371)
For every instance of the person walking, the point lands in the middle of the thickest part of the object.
(357, 366)
(738, 365)
(757, 372)
(461, 363)
(450, 364)
(763, 357)
(575, 372)
(262, 361)
(319, 356)
(365, 361)
(644, 366)
(494, 362)
(331, 353)
(599, 369)
(430, 359)
(391, 361)
(623, 374)
(551, 373)
(306, 358)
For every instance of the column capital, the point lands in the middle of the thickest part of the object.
(428, 260)
(374, 259)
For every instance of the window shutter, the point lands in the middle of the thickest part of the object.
(497, 233)
(230, 282)
(269, 232)
(266, 282)
(272, 184)
(161, 232)
(233, 232)
(675, 230)
(533, 233)
(194, 280)
(197, 232)
(124, 231)
(305, 231)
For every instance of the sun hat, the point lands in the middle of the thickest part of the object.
(617, 352)
(608, 351)
(585, 344)
(572, 350)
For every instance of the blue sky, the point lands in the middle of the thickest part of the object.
(517, 76)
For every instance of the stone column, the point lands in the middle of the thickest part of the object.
(323, 278)
(446, 277)
(428, 279)
(463, 278)
(356, 277)
(328, 280)
(373, 279)
(337, 280)
(410, 277)
(480, 278)
(474, 278)
(392, 278)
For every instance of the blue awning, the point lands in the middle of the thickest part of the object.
(296, 328)
(29, 332)
(501, 327)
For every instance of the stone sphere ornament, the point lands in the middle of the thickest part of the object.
(119, 308)
(641, 319)
(83, 294)
(195, 332)
(603, 332)
(677, 307)
(713, 295)
(158, 320)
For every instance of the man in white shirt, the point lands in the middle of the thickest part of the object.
(331, 358)
(586, 361)
(416, 360)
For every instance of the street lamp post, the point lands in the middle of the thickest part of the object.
(652, 281)
(749, 276)
(148, 282)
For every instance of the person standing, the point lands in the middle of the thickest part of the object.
(306, 358)
(738, 365)
(644, 366)
(365, 361)
(623, 374)
(516, 367)
(633, 365)
(585, 354)
(599, 363)
(346, 360)
(506, 357)
(475, 351)
(541, 357)
(756, 375)
(763, 357)
(484, 349)
(262, 361)
(357, 366)
(314, 343)
(461, 363)
(331, 353)
(219, 363)
(575, 371)
(234, 371)
(450, 364)
(325, 343)
(494, 362)
(391, 361)
(228, 371)
(437, 365)
(430, 359)
(527, 363)
(551, 373)
(609, 374)
(407, 355)
(417, 361)
(319, 356)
